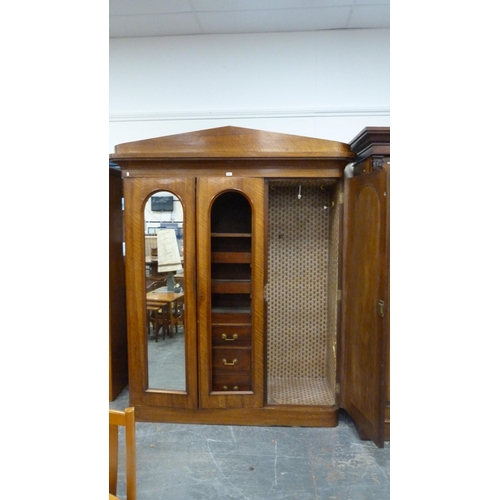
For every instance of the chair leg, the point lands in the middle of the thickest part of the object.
(157, 325)
(163, 322)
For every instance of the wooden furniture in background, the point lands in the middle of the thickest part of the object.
(118, 364)
(171, 304)
(125, 419)
(269, 220)
(157, 318)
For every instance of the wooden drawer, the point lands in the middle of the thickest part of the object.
(232, 335)
(231, 382)
(230, 316)
(232, 359)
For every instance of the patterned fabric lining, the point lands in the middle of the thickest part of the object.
(299, 391)
(302, 265)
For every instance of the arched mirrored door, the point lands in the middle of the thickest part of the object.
(161, 294)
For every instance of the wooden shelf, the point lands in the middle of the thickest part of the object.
(231, 286)
(231, 235)
(231, 257)
(229, 310)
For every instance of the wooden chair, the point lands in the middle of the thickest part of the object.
(176, 314)
(127, 420)
(154, 283)
(156, 313)
(157, 318)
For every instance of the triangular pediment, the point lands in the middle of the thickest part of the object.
(232, 142)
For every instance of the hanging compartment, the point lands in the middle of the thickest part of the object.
(303, 263)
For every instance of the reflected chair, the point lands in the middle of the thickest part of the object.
(154, 283)
(156, 312)
(124, 419)
(157, 318)
(176, 314)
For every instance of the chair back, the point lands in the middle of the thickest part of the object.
(153, 285)
(124, 419)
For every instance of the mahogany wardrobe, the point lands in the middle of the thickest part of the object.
(280, 296)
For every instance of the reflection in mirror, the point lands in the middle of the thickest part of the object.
(163, 224)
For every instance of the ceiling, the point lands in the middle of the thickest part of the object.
(146, 18)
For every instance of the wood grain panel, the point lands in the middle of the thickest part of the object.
(118, 364)
(365, 284)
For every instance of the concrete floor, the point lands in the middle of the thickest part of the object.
(225, 462)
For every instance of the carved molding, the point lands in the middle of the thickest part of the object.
(377, 163)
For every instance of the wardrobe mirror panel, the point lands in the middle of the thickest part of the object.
(166, 351)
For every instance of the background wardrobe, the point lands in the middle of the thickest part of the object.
(285, 277)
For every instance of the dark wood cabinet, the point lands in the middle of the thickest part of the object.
(118, 365)
(285, 274)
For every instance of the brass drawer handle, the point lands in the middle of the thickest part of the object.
(226, 363)
(226, 388)
(224, 337)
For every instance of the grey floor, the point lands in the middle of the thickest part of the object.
(167, 352)
(225, 462)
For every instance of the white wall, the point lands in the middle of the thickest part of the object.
(328, 84)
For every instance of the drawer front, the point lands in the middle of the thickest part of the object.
(232, 360)
(226, 317)
(231, 382)
(231, 335)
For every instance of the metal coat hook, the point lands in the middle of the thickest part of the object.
(300, 190)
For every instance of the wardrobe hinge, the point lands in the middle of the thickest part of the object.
(337, 388)
(341, 198)
(339, 295)
(381, 308)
